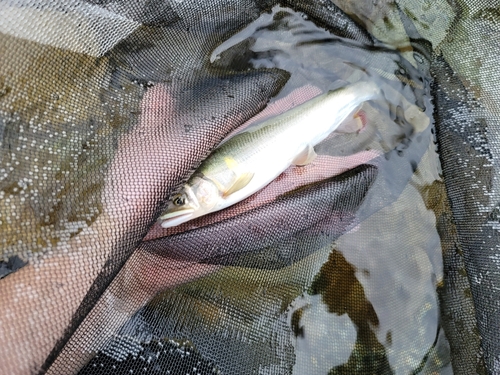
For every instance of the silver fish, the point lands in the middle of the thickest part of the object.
(252, 159)
(321, 211)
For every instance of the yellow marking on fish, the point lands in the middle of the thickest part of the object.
(231, 163)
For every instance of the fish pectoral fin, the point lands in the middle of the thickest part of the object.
(239, 183)
(305, 157)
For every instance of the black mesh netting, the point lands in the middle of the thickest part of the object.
(380, 255)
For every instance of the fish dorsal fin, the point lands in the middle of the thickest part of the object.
(239, 183)
(305, 157)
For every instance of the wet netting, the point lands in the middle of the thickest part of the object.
(372, 248)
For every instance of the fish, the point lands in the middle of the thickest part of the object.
(250, 160)
(325, 210)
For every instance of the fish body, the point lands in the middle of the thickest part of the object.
(252, 159)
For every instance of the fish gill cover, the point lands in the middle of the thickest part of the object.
(380, 256)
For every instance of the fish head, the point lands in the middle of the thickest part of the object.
(196, 198)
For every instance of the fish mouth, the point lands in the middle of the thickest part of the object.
(172, 219)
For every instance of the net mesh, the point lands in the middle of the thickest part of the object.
(381, 256)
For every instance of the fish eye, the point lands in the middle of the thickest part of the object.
(179, 200)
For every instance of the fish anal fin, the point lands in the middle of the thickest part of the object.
(305, 157)
(239, 183)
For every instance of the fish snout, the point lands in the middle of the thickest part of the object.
(174, 218)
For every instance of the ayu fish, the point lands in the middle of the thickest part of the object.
(250, 160)
(320, 212)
